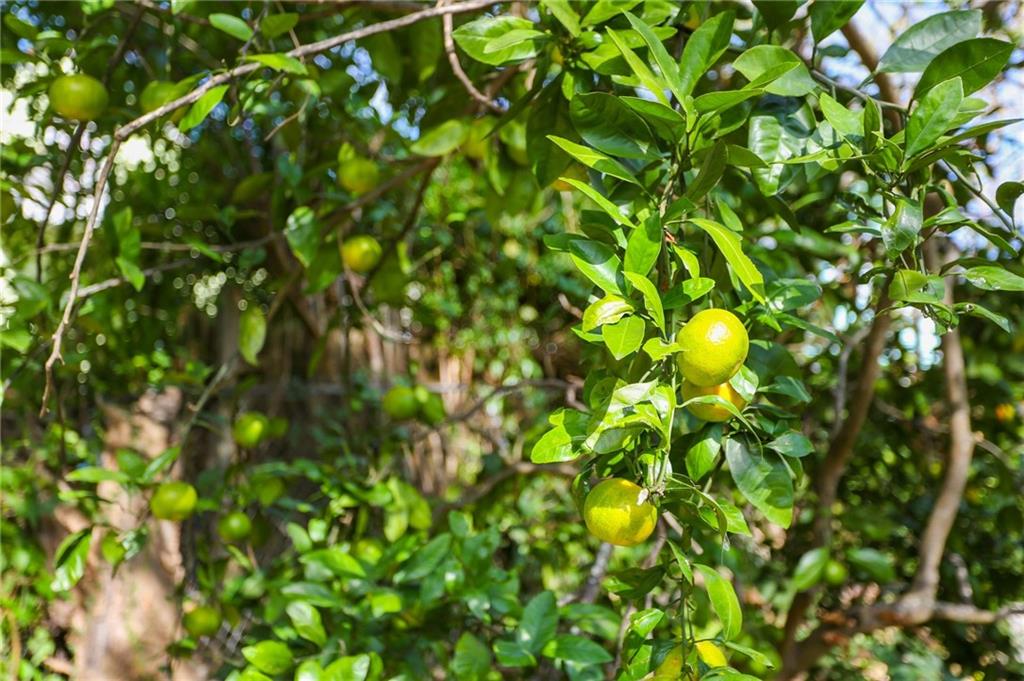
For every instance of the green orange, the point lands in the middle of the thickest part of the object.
(202, 620)
(712, 412)
(174, 501)
(234, 527)
(714, 346)
(250, 428)
(400, 403)
(361, 253)
(358, 175)
(835, 573)
(78, 97)
(614, 513)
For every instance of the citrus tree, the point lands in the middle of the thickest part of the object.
(486, 340)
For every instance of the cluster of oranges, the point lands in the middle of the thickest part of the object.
(713, 346)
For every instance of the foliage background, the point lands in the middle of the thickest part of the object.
(418, 550)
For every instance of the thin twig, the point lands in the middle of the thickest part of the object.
(58, 186)
(996, 210)
(460, 74)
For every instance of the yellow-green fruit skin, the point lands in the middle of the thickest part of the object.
(250, 428)
(202, 621)
(174, 501)
(612, 514)
(400, 403)
(358, 175)
(835, 573)
(712, 412)
(78, 97)
(715, 345)
(234, 527)
(361, 253)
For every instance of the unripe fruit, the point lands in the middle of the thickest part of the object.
(361, 253)
(714, 346)
(234, 527)
(174, 501)
(835, 573)
(400, 403)
(358, 175)
(612, 514)
(202, 621)
(250, 428)
(78, 97)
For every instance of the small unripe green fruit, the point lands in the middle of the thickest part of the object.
(174, 501)
(358, 175)
(361, 253)
(234, 527)
(250, 428)
(400, 403)
(78, 97)
(202, 621)
(835, 573)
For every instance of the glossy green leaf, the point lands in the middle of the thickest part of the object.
(303, 234)
(565, 14)
(274, 25)
(563, 441)
(976, 62)
(573, 648)
(763, 480)
(594, 159)
(729, 244)
(307, 622)
(901, 230)
(933, 116)
(280, 62)
(272, 657)
(1007, 195)
(757, 60)
(723, 600)
(703, 49)
(666, 65)
(624, 337)
(994, 278)
(710, 172)
(476, 36)
(202, 107)
(539, 622)
(655, 85)
(609, 208)
(602, 10)
(644, 246)
(915, 47)
(828, 16)
(598, 262)
(606, 124)
(793, 444)
(607, 310)
(70, 560)
(472, 660)
(231, 25)
(652, 301)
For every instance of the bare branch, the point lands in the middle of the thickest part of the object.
(961, 446)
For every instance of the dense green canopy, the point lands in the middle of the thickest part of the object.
(320, 322)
